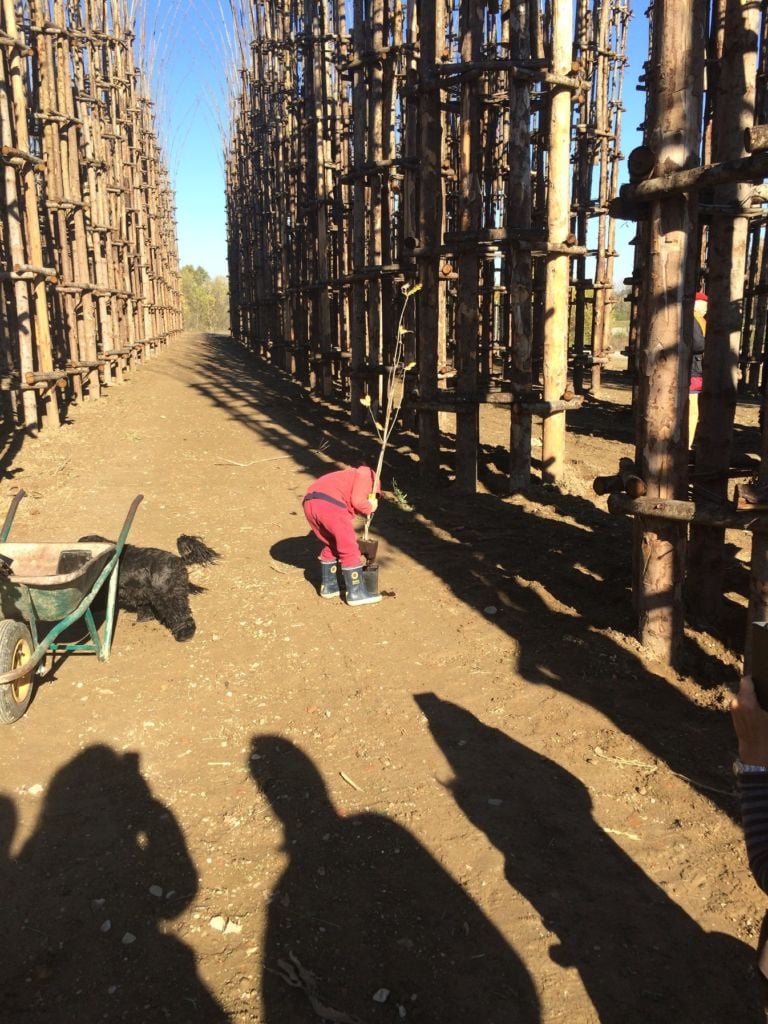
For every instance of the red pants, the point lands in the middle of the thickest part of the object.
(333, 526)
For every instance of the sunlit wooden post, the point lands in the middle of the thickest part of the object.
(467, 262)
(733, 108)
(556, 285)
(673, 117)
(602, 283)
(30, 204)
(314, 27)
(21, 319)
(430, 220)
(519, 260)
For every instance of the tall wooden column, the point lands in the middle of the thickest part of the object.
(13, 239)
(359, 322)
(431, 213)
(733, 112)
(467, 262)
(315, 26)
(519, 260)
(31, 216)
(673, 118)
(602, 281)
(556, 282)
(374, 37)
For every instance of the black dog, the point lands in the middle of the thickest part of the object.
(155, 583)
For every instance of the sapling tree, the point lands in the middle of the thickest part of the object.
(395, 393)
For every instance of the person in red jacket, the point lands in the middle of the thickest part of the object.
(700, 304)
(330, 505)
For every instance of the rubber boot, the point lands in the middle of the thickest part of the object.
(355, 587)
(371, 578)
(329, 587)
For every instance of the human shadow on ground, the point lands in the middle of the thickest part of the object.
(86, 900)
(11, 445)
(299, 553)
(556, 566)
(639, 955)
(365, 923)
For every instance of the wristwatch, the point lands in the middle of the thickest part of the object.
(739, 768)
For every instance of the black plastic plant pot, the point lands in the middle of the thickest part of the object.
(369, 549)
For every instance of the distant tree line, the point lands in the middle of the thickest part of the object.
(621, 306)
(205, 300)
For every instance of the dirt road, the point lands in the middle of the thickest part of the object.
(473, 802)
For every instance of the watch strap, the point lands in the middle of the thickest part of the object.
(740, 768)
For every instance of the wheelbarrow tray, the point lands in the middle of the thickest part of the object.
(51, 585)
(36, 589)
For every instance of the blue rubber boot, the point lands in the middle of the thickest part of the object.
(329, 586)
(355, 587)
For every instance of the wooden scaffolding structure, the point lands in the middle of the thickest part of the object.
(89, 278)
(430, 142)
(696, 191)
(473, 148)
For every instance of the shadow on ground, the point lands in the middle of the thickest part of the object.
(366, 924)
(89, 895)
(636, 951)
(557, 566)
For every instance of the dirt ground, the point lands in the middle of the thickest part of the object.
(476, 801)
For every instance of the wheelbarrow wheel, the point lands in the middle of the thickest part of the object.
(15, 651)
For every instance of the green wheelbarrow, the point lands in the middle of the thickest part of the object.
(44, 589)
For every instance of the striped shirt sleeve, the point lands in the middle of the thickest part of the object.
(753, 791)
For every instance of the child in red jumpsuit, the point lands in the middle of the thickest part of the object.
(330, 506)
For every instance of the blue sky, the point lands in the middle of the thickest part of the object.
(634, 102)
(189, 53)
(190, 45)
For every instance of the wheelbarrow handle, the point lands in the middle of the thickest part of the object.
(6, 529)
(128, 521)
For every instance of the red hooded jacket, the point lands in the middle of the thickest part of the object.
(352, 486)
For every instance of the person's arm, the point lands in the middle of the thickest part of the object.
(699, 341)
(751, 724)
(364, 500)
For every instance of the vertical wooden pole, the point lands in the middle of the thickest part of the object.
(392, 15)
(602, 282)
(733, 113)
(315, 23)
(343, 196)
(47, 86)
(519, 260)
(73, 54)
(673, 116)
(604, 272)
(374, 38)
(13, 238)
(557, 268)
(467, 262)
(431, 213)
(582, 191)
(31, 205)
(358, 325)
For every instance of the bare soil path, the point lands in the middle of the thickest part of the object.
(475, 801)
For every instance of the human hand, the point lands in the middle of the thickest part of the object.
(750, 723)
(373, 501)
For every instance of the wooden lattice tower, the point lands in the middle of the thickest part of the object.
(90, 281)
(701, 226)
(414, 144)
(474, 149)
